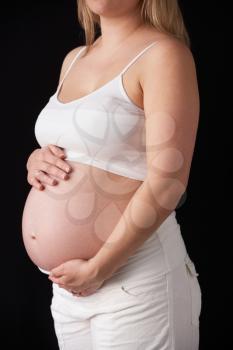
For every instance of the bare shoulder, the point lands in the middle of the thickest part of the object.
(168, 53)
(168, 77)
(68, 59)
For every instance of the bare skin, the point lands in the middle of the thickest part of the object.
(50, 235)
(56, 237)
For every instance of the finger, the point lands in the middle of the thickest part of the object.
(59, 280)
(58, 271)
(57, 151)
(86, 292)
(46, 179)
(53, 170)
(35, 183)
(62, 164)
(47, 156)
(35, 154)
(73, 291)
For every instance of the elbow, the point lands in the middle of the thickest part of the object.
(166, 192)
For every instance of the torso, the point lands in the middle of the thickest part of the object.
(74, 219)
(67, 221)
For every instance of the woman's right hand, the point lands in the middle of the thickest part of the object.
(44, 163)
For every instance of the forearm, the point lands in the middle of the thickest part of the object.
(150, 205)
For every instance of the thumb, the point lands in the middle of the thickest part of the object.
(57, 151)
(57, 271)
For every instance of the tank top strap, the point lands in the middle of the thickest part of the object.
(137, 56)
(69, 68)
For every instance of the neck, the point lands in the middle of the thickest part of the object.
(115, 30)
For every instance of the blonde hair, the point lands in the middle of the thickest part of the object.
(164, 15)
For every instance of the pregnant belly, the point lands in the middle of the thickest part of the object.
(74, 218)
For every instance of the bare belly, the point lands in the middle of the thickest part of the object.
(74, 218)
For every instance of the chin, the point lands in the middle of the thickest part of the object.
(101, 7)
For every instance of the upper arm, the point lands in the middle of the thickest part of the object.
(67, 61)
(171, 105)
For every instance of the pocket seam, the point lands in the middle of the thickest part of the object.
(194, 293)
(137, 296)
(134, 288)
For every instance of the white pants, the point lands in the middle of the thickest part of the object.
(153, 302)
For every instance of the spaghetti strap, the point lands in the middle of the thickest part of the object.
(135, 58)
(69, 68)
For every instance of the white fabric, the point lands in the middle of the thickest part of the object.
(104, 128)
(151, 303)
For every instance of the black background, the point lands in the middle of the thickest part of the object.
(36, 36)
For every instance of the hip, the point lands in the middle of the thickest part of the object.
(162, 252)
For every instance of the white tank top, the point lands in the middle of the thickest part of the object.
(104, 128)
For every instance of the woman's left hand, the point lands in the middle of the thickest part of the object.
(77, 276)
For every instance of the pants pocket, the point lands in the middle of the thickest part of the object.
(195, 291)
(145, 288)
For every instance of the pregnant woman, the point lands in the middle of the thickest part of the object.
(116, 144)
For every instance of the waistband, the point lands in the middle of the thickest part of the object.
(44, 271)
(162, 252)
